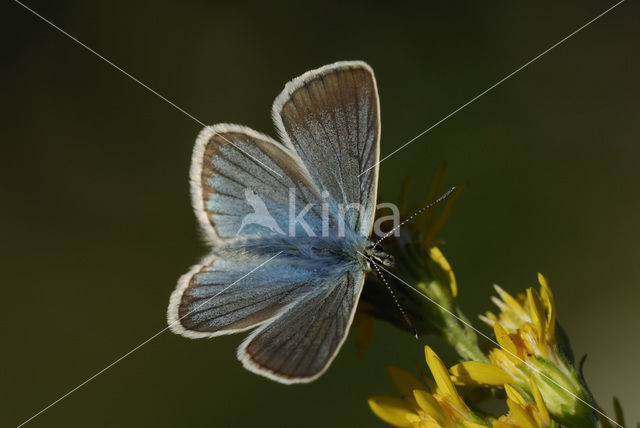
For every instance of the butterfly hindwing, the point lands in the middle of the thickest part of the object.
(299, 345)
(230, 292)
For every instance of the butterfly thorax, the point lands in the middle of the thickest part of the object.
(332, 253)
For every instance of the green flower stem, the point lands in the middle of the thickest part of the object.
(462, 338)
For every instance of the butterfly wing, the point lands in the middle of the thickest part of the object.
(331, 118)
(237, 172)
(300, 344)
(228, 293)
(329, 121)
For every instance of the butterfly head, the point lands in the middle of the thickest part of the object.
(375, 255)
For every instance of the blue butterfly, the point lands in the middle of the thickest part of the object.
(289, 224)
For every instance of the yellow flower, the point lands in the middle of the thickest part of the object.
(437, 406)
(532, 318)
(440, 405)
(532, 363)
(529, 355)
(523, 413)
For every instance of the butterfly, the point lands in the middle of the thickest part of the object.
(289, 224)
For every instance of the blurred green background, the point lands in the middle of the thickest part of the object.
(96, 221)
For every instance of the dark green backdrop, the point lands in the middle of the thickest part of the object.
(97, 225)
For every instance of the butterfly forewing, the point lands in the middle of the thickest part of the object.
(236, 172)
(331, 118)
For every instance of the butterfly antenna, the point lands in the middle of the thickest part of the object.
(420, 211)
(395, 300)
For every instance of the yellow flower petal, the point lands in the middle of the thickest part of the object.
(537, 313)
(506, 342)
(530, 339)
(392, 410)
(542, 408)
(431, 407)
(514, 395)
(520, 415)
(437, 256)
(469, 424)
(547, 298)
(488, 318)
(510, 300)
(414, 419)
(404, 381)
(427, 423)
(479, 373)
(442, 378)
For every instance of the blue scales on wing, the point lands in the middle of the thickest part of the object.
(331, 118)
(243, 183)
(304, 297)
(297, 282)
